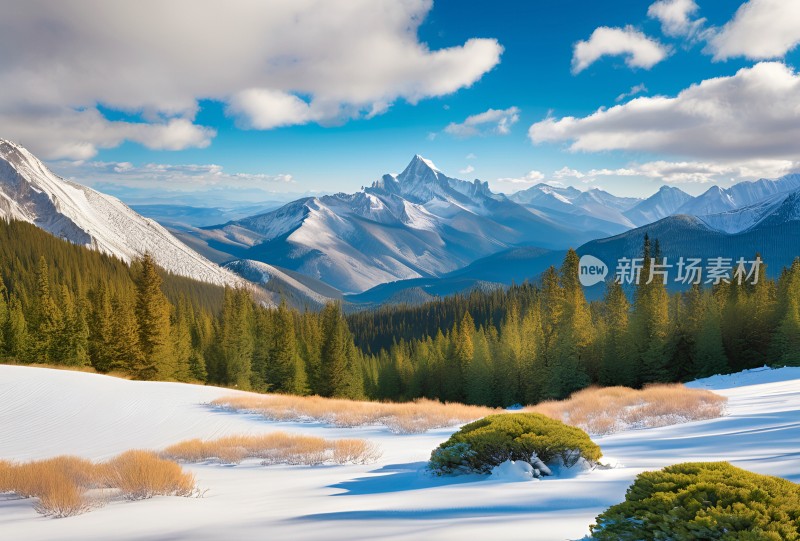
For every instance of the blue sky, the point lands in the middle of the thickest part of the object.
(184, 134)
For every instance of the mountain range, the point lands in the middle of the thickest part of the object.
(408, 237)
(416, 224)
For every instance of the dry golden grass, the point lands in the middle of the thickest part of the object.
(402, 418)
(275, 448)
(143, 474)
(355, 451)
(59, 483)
(605, 410)
(62, 484)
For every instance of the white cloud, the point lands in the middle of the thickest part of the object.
(531, 178)
(467, 170)
(688, 172)
(161, 178)
(675, 17)
(566, 172)
(639, 50)
(272, 63)
(638, 89)
(761, 29)
(750, 115)
(471, 156)
(492, 121)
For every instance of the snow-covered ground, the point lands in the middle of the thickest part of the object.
(48, 412)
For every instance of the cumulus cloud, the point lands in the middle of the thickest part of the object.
(675, 17)
(492, 121)
(639, 50)
(750, 115)
(516, 183)
(761, 29)
(271, 64)
(467, 170)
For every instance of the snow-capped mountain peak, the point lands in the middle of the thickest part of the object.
(30, 192)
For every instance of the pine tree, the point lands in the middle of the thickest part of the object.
(100, 322)
(153, 317)
(479, 380)
(126, 354)
(15, 331)
(287, 371)
(709, 356)
(650, 323)
(532, 363)
(181, 338)
(47, 320)
(340, 375)
(3, 314)
(615, 368)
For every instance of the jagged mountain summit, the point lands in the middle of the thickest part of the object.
(418, 223)
(30, 192)
(665, 202)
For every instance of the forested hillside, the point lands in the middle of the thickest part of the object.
(64, 304)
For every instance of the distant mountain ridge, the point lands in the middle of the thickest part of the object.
(416, 224)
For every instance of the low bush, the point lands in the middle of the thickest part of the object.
(275, 448)
(61, 485)
(530, 437)
(605, 410)
(143, 474)
(704, 500)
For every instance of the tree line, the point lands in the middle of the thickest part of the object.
(67, 305)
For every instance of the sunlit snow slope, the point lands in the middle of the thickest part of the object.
(29, 191)
(46, 412)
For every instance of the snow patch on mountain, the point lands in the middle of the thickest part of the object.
(30, 192)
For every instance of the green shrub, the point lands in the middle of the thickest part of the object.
(704, 500)
(480, 446)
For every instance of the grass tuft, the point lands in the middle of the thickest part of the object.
(401, 418)
(275, 448)
(143, 474)
(62, 484)
(605, 410)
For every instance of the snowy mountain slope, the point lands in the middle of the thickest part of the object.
(595, 203)
(29, 191)
(297, 289)
(717, 200)
(661, 204)
(419, 223)
(49, 412)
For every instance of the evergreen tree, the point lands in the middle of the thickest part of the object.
(47, 318)
(650, 322)
(126, 354)
(153, 317)
(615, 368)
(15, 331)
(709, 354)
(100, 322)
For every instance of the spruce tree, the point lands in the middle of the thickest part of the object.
(615, 367)
(709, 356)
(126, 353)
(153, 318)
(15, 331)
(47, 318)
